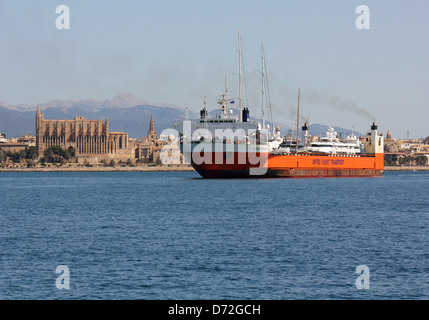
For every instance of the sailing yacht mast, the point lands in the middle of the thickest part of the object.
(240, 73)
(297, 120)
(226, 85)
(263, 86)
(226, 98)
(266, 105)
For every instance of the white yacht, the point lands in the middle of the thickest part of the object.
(331, 144)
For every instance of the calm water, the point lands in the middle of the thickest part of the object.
(176, 236)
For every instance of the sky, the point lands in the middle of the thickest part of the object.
(178, 52)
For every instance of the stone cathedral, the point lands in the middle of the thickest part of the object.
(89, 139)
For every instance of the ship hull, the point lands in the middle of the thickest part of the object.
(287, 173)
(291, 166)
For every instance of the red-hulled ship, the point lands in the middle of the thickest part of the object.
(243, 158)
(300, 166)
(229, 146)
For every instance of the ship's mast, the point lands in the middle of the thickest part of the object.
(263, 86)
(297, 121)
(266, 105)
(225, 103)
(226, 85)
(240, 73)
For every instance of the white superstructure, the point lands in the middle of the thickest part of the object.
(331, 144)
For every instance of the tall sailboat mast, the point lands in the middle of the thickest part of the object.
(297, 120)
(226, 97)
(240, 74)
(263, 85)
(226, 85)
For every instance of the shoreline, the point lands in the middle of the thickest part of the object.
(183, 168)
(177, 168)
(408, 168)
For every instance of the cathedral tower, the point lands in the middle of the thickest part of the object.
(151, 133)
(39, 131)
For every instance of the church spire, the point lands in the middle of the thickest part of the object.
(151, 133)
(389, 136)
(151, 125)
(39, 114)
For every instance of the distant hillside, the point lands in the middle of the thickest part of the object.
(15, 123)
(126, 113)
(134, 121)
(121, 101)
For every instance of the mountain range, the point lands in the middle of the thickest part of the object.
(126, 113)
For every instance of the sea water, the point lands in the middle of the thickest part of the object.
(174, 235)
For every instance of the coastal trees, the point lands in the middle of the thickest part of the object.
(393, 160)
(72, 151)
(390, 160)
(15, 157)
(31, 153)
(421, 160)
(406, 160)
(412, 160)
(56, 154)
(3, 156)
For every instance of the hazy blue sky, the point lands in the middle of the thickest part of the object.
(179, 51)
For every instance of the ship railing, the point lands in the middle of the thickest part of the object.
(224, 141)
(304, 154)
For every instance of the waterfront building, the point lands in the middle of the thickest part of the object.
(28, 140)
(13, 147)
(86, 140)
(149, 148)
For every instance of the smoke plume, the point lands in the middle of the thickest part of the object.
(336, 103)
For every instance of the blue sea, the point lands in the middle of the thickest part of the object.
(174, 235)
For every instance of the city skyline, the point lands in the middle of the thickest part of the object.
(178, 53)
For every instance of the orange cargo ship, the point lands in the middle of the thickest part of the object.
(281, 162)
(300, 166)
(231, 146)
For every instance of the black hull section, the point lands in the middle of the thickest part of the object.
(240, 174)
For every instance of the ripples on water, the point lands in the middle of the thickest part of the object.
(176, 236)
